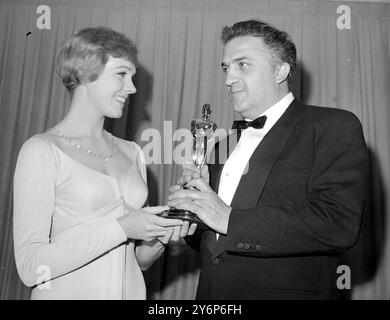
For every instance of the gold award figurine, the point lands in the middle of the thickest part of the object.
(202, 131)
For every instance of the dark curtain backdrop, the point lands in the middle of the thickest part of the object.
(180, 54)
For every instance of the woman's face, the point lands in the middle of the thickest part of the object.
(110, 90)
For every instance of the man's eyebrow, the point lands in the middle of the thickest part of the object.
(223, 64)
(240, 59)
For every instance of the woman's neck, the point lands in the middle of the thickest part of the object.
(82, 120)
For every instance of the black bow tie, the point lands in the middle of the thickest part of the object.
(239, 125)
(258, 123)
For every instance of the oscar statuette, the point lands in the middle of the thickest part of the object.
(202, 132)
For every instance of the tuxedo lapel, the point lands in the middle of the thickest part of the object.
(263, 159)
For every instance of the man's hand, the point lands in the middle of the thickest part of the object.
(204, 202)
(190, 171)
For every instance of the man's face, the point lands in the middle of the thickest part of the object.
(250, 76)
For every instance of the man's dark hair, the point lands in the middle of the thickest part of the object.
(279, 42)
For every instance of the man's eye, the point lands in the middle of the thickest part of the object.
(225, 69)
(243, 65)
(122, 74)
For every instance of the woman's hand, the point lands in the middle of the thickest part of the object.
(176, 233)
(144, 224)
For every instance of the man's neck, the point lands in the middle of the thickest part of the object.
(269, 105)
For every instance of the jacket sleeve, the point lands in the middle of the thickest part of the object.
(329, 218)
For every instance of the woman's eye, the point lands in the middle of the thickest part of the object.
(122, 74)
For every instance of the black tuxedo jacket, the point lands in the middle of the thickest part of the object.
(297, 207)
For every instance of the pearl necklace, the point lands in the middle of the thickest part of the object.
(105, 157)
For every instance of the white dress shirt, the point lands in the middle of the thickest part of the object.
(250, 139)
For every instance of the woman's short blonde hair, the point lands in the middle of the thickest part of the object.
(83, 56)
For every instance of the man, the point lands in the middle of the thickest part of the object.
(291, 193)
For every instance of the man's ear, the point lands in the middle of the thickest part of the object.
(282, 72)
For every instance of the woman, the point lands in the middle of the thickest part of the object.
(78, 190)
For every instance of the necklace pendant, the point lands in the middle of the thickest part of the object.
(106, 158)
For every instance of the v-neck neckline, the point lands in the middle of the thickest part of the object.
(88, 168)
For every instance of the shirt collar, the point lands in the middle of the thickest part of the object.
(274, 112)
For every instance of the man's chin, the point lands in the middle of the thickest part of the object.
(239, 108)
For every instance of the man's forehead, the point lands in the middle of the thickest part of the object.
(242, 47)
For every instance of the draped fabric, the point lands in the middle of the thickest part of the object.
(180, 54)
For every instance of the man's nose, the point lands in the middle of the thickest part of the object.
(231, 77)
